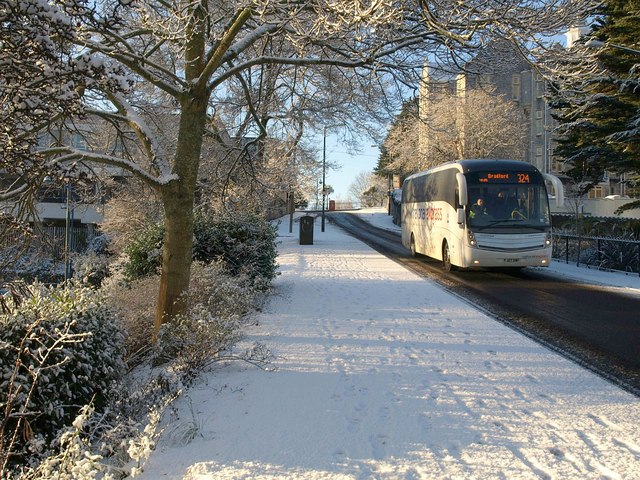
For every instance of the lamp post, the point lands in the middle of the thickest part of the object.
(389, 193)
(324, 172)
(324, 167)
(68, 233)
(291, 205)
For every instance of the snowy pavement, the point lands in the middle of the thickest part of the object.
(382, 374)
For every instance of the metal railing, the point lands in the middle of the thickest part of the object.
(54, 238)
(615, 254)
(51, 239)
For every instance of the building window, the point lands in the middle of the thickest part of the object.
(516, 91)
(78, 141)
(596, 192)
(539, 123)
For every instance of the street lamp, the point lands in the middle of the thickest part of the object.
(324, 169)
(68, 225)
(324, 172)
(595, 43)
(68, 232)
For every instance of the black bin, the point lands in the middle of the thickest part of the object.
(306, 230)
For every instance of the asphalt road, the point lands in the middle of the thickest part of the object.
(595, 326)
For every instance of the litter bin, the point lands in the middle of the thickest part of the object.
(306, 230)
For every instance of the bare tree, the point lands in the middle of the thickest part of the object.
(233, 67)
(369, 189)
(489, 126)
(477, 125)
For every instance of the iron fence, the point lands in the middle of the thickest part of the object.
(51, 239)
(616, 254)
(54, 238)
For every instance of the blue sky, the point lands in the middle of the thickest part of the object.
(352, 164)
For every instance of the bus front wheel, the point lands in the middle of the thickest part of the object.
(446, 258)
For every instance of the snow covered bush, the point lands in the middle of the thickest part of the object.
(24, 257)
(60, 349)
(224, 295)
(76, 461)
(92, 267)
(211, 287)
(113, 444)
(136, 303)
(194, 340)
(246, 243)
(72, 363)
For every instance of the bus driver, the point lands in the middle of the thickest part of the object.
(478, 208)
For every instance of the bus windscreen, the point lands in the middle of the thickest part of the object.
(507, 198)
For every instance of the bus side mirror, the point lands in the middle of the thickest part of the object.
(460, 216)
(557, 186)
(461, 180)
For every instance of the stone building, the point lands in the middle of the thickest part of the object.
(503, 70)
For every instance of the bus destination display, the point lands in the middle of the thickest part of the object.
(504, 177)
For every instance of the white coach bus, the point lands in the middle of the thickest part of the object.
(479, 213)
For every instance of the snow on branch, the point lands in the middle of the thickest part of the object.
(65, 155)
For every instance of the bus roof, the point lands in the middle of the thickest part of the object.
(480, 165)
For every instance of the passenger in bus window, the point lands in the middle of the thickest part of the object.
(504, 204)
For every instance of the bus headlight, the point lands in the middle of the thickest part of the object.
(547, 239)
(471, 238)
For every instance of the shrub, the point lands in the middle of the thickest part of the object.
(113, 444)
(61, 349)
(136, 303)
(246, 244)
(92, 267)
(224, 295)
(144, 253)
(211, 285)
(217, 306)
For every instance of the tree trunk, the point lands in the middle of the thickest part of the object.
(178, 201)
(176, 255)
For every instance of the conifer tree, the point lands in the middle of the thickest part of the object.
(388, 160)
(599, 110)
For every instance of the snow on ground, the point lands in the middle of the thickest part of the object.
(382, 374)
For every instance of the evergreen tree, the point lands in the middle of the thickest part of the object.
(600, 123)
